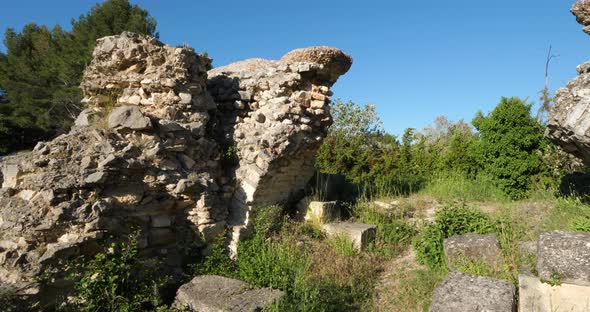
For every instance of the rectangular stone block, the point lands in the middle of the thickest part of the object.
(564, 256)
(536, 296)
(323, 212)
(211, 293)
(466, 292)
(360, 234)
(473, 247)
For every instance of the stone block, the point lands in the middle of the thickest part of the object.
(323, 212)
(564, 256)
(473, 247)
(466, 292)
(536, 296)
(360, 234)
(210, 293)
(11, 174)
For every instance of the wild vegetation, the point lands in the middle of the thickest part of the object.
(497, 174)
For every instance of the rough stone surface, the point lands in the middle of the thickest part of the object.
(323, 212)
(466, 292)
(564, 255)
(167, 147)
(568, 123)
(276, 114)
(581, 9)
(210, 293)
(128, 117)
(473, 247)
(360, 234)
(535, 296)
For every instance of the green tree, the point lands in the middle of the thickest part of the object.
(509, 145)
(42, 69)
(349, 145)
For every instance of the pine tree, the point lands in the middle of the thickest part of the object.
(42, 69)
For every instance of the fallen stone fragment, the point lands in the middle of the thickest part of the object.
(564, 256)
(323, 212)
(128, 117)
(467, 292)
(473, 247)
(360, 234)
(536, 296)
(210, 293)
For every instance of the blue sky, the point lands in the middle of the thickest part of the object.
(414, 60)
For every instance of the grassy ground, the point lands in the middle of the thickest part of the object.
(321, 274)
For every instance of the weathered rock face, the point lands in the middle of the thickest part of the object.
(581, 10)
(467, 292)
(211, 293)
(564, 255)
(569, 122)
(153, 152)
(276, 114)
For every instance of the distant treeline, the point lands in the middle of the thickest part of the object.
(41, 71)
(506, 145)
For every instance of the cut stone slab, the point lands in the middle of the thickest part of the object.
(536, 296)
(474, 247)
(360, 234)
(208, 293)
(11, 174)
(565, 255)
(128, 117)
(323, 212)
(467, 292)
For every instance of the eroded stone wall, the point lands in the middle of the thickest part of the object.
(275, 114)
(569, 118)
(166, 149)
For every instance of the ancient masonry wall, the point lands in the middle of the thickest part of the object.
(164, 148)
(569, 118)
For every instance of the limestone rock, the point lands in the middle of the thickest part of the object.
(565, 256)
(334, 60)
(210, 293)
(473, 247)
(360, 234)
(266, 106)
(129, 117)
(536, 296)
(581, 9)
(466, 292)
(178, 152)
(323, 212)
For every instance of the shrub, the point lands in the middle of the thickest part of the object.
(118, 280)
(449, 221)
(509, 146)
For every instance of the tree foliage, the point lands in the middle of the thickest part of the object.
(42, 69)
(509, 145)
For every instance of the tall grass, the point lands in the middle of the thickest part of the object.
(567, 214)
(450, 186)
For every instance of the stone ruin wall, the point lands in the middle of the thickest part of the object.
(276, 114)
(569, 118)
(167, 148)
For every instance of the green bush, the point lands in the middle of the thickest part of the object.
(270, 257)
(118, 280)
(509, 146)
(449, 221)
